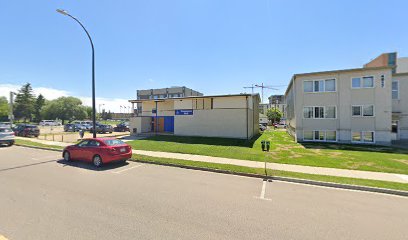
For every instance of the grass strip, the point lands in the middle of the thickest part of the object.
(36, 144)
(277, 173)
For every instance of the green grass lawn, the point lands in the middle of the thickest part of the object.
(36, 144)
(285, 150)
(270, 172)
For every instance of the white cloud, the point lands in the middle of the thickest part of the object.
(112, 104)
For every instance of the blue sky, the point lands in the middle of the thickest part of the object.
(213, 46)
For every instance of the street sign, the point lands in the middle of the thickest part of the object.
(184, 112)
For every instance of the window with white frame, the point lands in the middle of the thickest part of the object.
(330, 112)
(325, 85)
(308, 112)
(363, 137)
(362, 111)
(362, 82)
(319, 112)
(395, 90)
(320, 135)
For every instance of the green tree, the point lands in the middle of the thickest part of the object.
(24, 103)
(4, 109)
(65, 108)
(39, 104)
(88, 110)
(274, 115)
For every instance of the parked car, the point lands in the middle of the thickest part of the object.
(6, 136)
(49, 123)
(102, 128)
(87, 126)
(262, 127)
(70, 127)
(98, 151)
(27, 130)
(121, 127)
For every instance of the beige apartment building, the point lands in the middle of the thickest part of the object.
(361, 105)
(230, 116)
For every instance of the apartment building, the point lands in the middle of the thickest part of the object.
(278, 101)
(362, 105)
(162, 93)
(171, 92)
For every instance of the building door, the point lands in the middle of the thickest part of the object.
(395, 130)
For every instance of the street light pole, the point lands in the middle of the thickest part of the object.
(63, 12)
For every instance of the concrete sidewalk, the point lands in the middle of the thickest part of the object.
(391, 177)
(284, 167)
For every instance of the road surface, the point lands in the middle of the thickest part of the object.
(41, 197)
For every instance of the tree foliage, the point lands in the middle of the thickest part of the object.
(24, 103)
(39, 104)
(65, 108)
(274, 114)
(4, 109)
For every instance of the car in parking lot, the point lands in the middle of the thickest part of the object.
(49, 123)
(262, 127)
(102, 128)
(70, 127)
(27, 130)
(121, 127)
(98, 151)
(6, 136)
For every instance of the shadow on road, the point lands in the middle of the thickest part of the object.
(26, 165)
(89, 166)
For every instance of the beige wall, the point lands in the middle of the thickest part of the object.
(343, 99)
(233, 117)
(400, 106)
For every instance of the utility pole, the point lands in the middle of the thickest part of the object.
(251, 87)
(263, 87)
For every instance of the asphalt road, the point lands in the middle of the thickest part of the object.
(43, 198)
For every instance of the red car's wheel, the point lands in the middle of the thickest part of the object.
(67, 156)
(97, 161)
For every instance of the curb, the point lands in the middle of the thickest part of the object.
(286, 179)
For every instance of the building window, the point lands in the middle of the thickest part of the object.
(327, 85)
(308, 112)
(331, 136)
(394, 126)
(362, 111)
(319, 112)
(330, 85)
(368, 111)
(395, 90)
(308, 86)
(356, 137)
(330, 112)
(364, 82)
(319, 135)
(362, 137)
(368, 82)
(308, 135)
(382, 81)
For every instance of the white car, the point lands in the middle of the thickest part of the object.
(6, 136)
(49, 123)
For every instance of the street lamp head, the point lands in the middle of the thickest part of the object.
(63, 12)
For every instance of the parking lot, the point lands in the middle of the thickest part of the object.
(43, 197)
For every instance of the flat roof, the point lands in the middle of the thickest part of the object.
(192, 97)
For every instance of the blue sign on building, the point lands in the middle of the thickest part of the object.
(184, 112)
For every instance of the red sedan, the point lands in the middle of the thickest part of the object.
(98, 151)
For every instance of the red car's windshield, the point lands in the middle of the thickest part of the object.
(113, 142)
